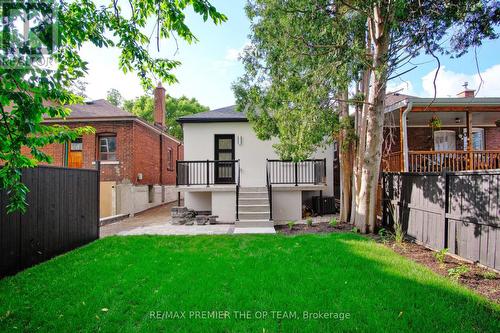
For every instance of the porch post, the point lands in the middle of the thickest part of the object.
(401, 142)
(469, 141)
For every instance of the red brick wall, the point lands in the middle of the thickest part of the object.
(147, 156)
(420, 138)
(137, 150)
(492, 138)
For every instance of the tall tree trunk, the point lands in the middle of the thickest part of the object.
(346, 159)
(361, 131)
(370, 156)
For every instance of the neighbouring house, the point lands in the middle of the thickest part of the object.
(137, 159)
(454, 134)
(228, 172)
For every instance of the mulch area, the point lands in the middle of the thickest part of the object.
(482, 280)
(322, 227)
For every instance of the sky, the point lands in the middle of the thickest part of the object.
(211, 65)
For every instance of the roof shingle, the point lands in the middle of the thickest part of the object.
(100, 108)
(226, 114)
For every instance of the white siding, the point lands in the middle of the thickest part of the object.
(252, 152)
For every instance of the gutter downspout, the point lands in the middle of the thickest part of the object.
(405, 135)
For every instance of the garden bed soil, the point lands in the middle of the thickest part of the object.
(316, 228)
(475, 279)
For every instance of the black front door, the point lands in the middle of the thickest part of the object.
(224, 151)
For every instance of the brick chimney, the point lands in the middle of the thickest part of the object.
(467, 93)
(159, 112)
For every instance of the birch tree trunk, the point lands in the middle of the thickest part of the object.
(369, 155)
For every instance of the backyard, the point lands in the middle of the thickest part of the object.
(240, 283)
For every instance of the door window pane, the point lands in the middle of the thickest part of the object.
(76, 145)
(225, 144)
(225, 156)
(477, 139)
(444, 140)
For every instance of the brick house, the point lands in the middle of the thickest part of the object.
(137, 159)
(468, 137)
(410, 144)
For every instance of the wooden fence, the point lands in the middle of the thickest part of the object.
(455, 210)
(63, 214)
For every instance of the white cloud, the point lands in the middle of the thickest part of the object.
(232, 54)
(403, 87)
(449, 83)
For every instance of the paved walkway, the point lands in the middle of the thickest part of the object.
(155, 216)
(157, 221)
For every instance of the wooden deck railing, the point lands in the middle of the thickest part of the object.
(391, 162)
(438, 161)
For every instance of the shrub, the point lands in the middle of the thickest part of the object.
(333, 222)
(489, 275)
(440, 256)
(457, 272)
(399, 234)
(355, 230)
(291, 224)
(309, 222)
(382, 233)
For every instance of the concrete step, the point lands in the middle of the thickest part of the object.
(253, 201)
(253, 208)
(253, 189)
(254, 230)
(254, 223)
(245, 195)
(263, 215)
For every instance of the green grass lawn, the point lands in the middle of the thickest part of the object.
(114, 284)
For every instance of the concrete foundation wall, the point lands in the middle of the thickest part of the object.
(224, 206)
(198, 200)
(287, 205)
(132, 199)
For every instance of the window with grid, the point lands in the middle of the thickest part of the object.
(107, 148)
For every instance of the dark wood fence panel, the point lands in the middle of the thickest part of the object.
(457, 210)
(63, 214)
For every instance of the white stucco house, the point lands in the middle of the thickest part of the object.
(229, 172)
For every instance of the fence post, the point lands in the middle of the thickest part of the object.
(446, 206)
(296, 179)
(176, 172)
(320, 203)
(98, 166)
(208, 172)
(383, 201)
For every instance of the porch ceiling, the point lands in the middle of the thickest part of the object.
(448, 119)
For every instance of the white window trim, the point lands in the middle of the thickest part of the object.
(108, 162)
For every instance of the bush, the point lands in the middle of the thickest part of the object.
(309, 222)
(489, 275)
(384, 235)
(440, 256)
(399, 234)
(333, 222)
(355, 230)
(457, 272)
(291, 224)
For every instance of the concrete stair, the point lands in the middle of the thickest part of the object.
(253, 208)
